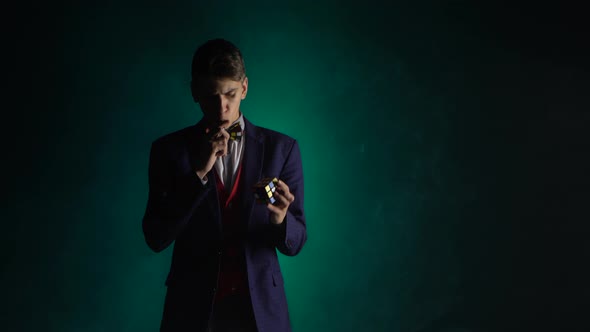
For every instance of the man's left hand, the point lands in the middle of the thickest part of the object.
(278, 211)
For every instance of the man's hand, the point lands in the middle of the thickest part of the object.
(278, 211)
(214, 145)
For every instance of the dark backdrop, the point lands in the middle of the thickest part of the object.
(445, 152)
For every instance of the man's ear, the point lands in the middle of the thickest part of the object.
(194, 91)
(244, 87)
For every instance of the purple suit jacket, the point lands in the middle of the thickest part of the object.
(181, 209)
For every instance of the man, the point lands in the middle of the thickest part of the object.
(225, 274)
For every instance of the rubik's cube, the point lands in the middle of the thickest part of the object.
(264, 190)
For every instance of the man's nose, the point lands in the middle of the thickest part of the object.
(221, 104)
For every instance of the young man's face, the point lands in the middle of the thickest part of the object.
(220, 99)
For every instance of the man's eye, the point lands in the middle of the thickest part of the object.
(231, 95)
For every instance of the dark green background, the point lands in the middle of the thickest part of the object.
(445, 151)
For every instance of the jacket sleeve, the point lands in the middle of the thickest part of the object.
(291, 235)
(172, 199)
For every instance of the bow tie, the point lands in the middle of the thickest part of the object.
(235, 131)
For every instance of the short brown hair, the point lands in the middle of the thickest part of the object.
(218, 58)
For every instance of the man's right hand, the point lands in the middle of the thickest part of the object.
(212, 146)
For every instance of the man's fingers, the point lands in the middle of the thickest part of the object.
(291, 198)
(283, 186)
(224, 133)
(221, 151)
(217, 134)
(273, 208)
(283, 189)
(220, 148)
(283, 200)
(219, 139)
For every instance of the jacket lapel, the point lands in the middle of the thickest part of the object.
(251, 168)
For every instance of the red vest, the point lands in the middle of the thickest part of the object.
(232, 274)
